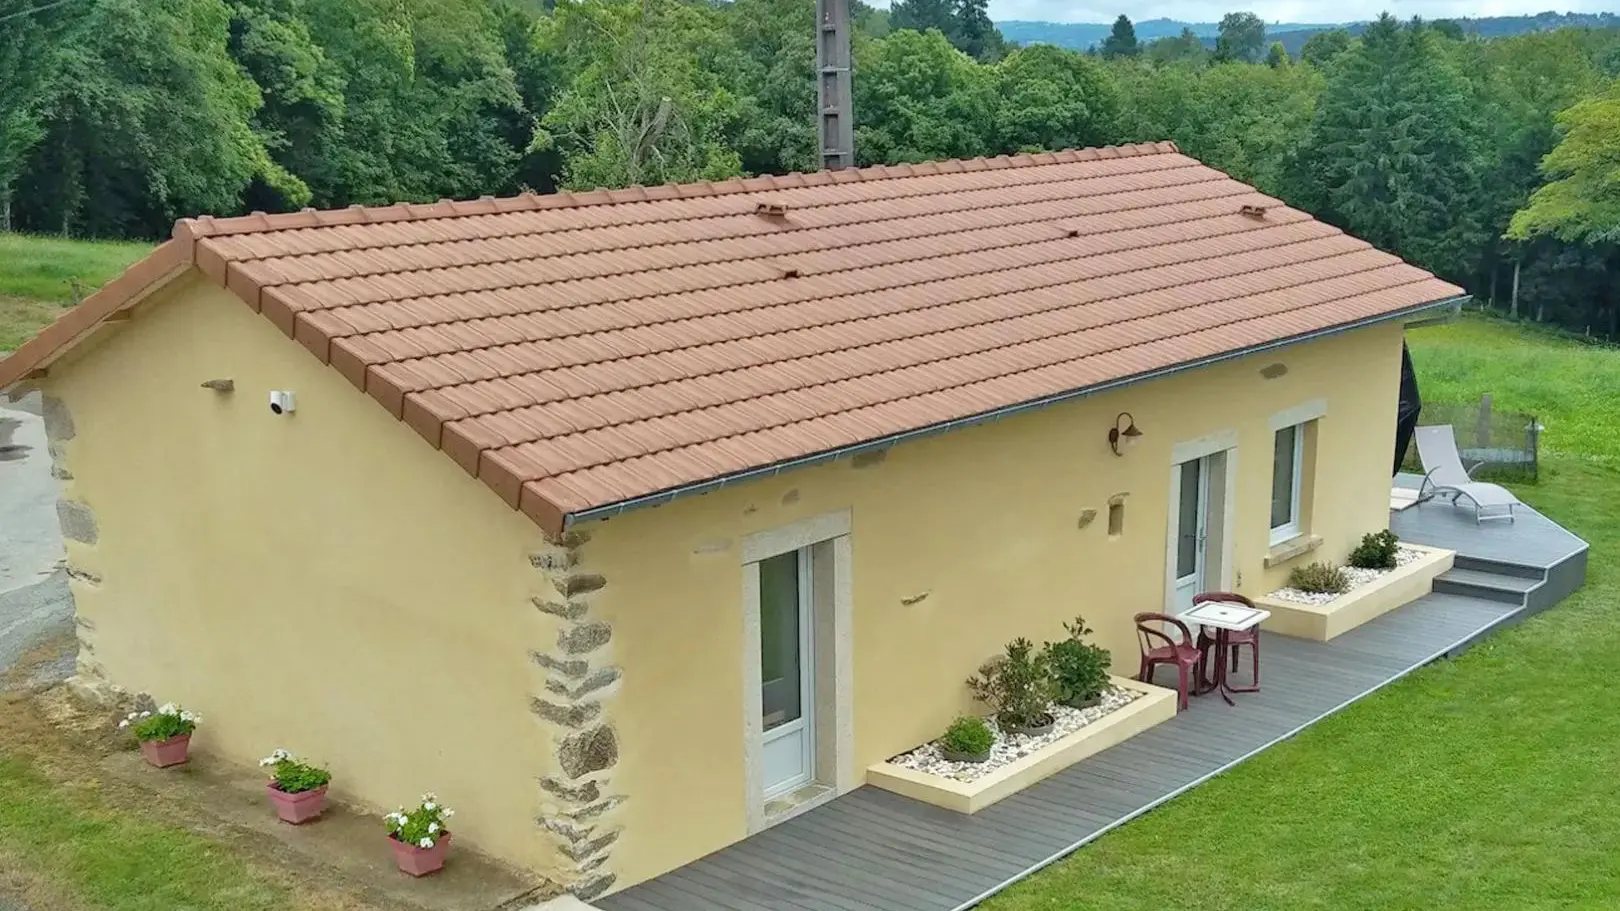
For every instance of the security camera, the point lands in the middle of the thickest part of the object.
(282, 402)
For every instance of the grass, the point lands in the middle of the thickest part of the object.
(39, 277)
(100, 858)
(1487, 782)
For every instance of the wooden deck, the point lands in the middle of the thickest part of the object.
(871, 850)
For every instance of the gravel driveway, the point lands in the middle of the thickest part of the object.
(35, 603)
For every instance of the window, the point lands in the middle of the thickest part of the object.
(1287, 465)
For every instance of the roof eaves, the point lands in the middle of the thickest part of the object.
(133, 285)
(555, 513)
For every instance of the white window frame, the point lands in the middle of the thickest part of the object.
(1299, 418)
(1288, 531)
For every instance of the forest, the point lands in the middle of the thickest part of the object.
(1494, 162)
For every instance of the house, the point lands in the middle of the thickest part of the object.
(735, 482)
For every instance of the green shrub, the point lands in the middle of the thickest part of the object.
(292, 776)
(423, 826)
(1079, 668)
(1376, 551)
(1319, 578)
(968, 734)
(168, 721)
(1017, 685)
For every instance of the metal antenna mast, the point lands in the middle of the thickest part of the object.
(834, 95)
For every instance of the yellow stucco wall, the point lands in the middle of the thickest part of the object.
(330, 584)
(324, 582)
(985, 521)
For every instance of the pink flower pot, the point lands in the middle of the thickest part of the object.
(420, 861)
(297, 808)
(165, 753)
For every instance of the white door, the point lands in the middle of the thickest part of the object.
(1188, 557)
(786, 690)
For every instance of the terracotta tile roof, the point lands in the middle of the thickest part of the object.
(581, 350)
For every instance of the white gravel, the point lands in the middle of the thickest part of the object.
(1358, 577)
(926, 758)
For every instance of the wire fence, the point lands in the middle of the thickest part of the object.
(1503, 444)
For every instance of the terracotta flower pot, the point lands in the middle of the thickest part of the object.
(420, 861)
(165, 753)
(297, 808)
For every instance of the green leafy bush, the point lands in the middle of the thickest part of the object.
(1376, 551)
(423, 826)
(168, 721)
(294, 777)
(968, 734)
(1017, 685)
(1319, 578)
(1079, 668)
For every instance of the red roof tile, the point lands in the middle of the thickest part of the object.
(582, 350)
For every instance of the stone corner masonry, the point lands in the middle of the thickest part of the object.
(578, 803)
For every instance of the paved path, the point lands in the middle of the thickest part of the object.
(35, 603)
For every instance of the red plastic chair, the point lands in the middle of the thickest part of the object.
(1234, 638)
(1185, 655)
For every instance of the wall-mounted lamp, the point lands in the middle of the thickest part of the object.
(1125, 435)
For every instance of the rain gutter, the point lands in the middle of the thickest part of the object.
(1449, 308)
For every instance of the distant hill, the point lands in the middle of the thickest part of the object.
(1293, 35)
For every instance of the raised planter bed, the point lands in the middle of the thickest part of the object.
(1374, 593)
(1016, 763)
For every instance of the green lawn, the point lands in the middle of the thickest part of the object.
(92, 857)
(1490, 782)
(38, 276)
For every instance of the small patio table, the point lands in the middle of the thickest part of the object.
(1224, 618)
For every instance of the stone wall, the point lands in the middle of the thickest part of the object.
(579, 680)
(80, 534)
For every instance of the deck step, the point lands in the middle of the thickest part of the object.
(1499, 568)
(1491, 586)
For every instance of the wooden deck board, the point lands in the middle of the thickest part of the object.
(871, 850)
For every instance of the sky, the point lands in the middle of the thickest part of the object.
(1283, 10)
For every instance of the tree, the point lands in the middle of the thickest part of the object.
(1322, 47)
(1185, 48)
(919, 99)
(1394, 152)
(1277, 56)
(1052, 98)
(643, 105)
(966, 23)
(974, 34)
(774, 75)
(1121, 42)
(1581, 201)
(1245, 120)
(144, 118)
(1242, 38)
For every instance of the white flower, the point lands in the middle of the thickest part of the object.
(426, 843)
(429, 797)
(124, 723)
(430, 806)
(168, 708)
(404, 820)
(433, 828)
(146, 714)
(133, 715)
(447, 813)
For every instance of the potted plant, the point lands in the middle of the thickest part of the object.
(1018, 686)
(968, 739)
(297, 789)
(1079, 668)
(164, 735)
(420, 837)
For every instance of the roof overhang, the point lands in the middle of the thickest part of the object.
(163, 265)
(1433, 312)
